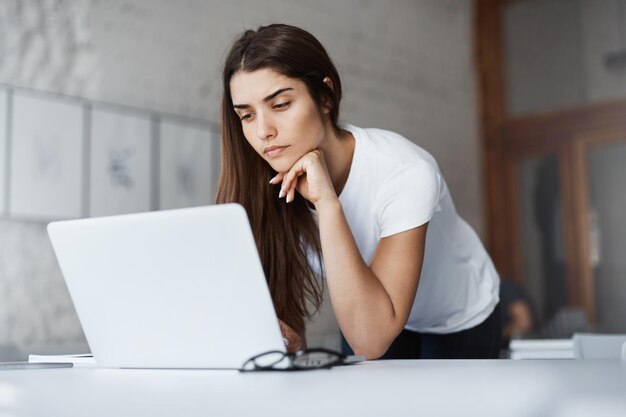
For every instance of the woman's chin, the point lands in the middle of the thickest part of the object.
(281, 166)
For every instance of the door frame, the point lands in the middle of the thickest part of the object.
(568, 133)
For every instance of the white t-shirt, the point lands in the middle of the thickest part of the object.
(393, 186)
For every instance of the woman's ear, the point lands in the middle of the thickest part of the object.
(327, 103)
(328, 82)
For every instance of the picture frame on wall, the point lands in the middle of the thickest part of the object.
(188, 158)
(3, 148)
(120, 167)
(46, 167)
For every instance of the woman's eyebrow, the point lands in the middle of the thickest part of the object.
(268, 98)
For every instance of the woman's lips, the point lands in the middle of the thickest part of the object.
(274, 151)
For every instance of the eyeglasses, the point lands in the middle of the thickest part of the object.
(304, 360)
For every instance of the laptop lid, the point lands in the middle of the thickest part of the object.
(168, 289)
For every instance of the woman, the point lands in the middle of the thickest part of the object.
(360, 201)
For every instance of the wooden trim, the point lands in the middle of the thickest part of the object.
(569, 211)
(513, 230)
(489, 64)
(602, 137)
(581, 210)
(565, 123)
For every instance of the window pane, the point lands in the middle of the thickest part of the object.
(607, 234)
(543, 251)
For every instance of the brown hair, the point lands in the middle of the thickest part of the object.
(284, 233)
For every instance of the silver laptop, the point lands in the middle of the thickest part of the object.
(169, 289)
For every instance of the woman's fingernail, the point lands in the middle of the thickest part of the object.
(288, 199)
(281, 194)
(272, 180)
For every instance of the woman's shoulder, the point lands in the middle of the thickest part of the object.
(390, 147)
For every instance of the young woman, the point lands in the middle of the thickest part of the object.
(370, 206)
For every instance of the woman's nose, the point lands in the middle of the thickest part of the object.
(265, 127)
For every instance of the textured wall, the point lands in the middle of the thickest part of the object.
(557, 50)
(406, 65)
(48, 45)
(36, 313)
(604, 32)
(543, 55)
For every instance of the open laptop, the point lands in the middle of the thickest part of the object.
(168, 289)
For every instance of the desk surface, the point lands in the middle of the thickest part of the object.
(382, 388)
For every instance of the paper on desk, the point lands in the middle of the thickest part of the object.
(543, 354)
(76, 359)
(542, 349)
(541, 344)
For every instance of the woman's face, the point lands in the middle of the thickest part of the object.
(280, 120)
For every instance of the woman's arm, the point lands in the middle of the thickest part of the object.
(371, 303)
(293, 341)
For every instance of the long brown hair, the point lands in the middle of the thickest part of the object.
(284, 233)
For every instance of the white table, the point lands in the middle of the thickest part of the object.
(381, 388)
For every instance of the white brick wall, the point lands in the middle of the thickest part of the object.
(406, 65)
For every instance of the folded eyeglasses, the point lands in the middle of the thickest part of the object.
(304, 360)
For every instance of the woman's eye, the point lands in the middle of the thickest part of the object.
(281, 105)
(246, 117)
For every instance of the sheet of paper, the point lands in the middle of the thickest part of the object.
(188, 164)
(76, 359)
(46, 158)
(3, 145)
(121, 148)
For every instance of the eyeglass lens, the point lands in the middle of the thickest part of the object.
(314, 359)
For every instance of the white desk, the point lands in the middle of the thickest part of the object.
(384, 388)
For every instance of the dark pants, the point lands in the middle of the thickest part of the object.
(479, 342)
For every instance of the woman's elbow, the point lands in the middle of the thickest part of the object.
(374, 343)
(371, 349)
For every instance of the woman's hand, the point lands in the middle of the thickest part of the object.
(294, 341)
(309, 176)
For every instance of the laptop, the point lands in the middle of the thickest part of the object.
(168, 289)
